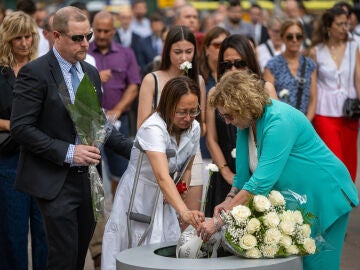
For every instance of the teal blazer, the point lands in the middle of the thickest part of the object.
(291, 156)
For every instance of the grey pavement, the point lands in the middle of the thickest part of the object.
(350, 259)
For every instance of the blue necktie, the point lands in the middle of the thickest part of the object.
(74, 78)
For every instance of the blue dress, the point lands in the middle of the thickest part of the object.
(283, 79)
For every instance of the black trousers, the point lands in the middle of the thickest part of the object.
(69, 223)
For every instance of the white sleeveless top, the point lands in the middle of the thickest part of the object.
(334, 85)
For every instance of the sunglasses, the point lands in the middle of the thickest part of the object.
(290, 37)
(216, 45)
(79, 38)
(236, 64)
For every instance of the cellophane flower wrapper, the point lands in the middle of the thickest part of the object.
(272, 226)
(93, 128)
(191, 246)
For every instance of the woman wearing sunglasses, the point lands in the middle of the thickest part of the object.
(338, 61)
(293, 75)
(236, 53)
(208, 67)
(267, 160)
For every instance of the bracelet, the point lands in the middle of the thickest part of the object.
(217, 224)
(234, 191)
(222, 166)
(230, 195)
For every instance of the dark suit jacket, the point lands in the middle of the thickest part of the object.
(136, 43)
(42, 125)
(264, 36)
(147, 52)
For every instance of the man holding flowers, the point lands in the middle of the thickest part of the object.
(53, 165)
(298, 162)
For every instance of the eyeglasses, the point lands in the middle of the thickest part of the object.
(227, 116)
(79, 38)
(192, 113)
(290, 37)
(236, 63)
(216, 45)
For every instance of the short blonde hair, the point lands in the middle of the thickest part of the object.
(241, 93)
(16, 24)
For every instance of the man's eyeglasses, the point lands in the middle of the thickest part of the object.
(79, 38)
(236, 63)
(192, 113)
(290, 37)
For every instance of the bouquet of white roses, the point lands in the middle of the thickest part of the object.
(264, 228)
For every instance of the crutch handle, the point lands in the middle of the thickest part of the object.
(140, 217)
(169, 152)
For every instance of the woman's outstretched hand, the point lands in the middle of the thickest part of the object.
(192, 217)
(206, 229)
(224, 206)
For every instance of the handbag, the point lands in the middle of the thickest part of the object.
(351, 108)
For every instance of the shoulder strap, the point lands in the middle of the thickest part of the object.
(301, 84)
(156, 91)
(269, 49)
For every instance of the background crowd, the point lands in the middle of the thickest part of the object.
(310, 61)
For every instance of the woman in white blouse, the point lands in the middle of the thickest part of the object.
(171, 126)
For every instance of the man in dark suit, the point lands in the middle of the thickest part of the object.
(257, 17)
(148, 53)
(52, 167)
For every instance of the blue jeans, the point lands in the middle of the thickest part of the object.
(17, 210)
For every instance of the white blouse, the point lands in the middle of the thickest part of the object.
(335, 85)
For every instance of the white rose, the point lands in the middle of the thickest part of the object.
(287, 216)
(285, 241)
(309, 245)
(292, 250)
(240, 212)
(186, 66)
(284, 93)
(233, 153)
(248, 241)
(253, 225)
(272, 236)
(271, 219)
(298, 218)
(276, 198)
(269, 251)
(212, 167)
(287, 227)
(305, 230)
(253, 253)
(261, 203)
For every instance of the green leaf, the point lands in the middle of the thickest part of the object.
(86, 111)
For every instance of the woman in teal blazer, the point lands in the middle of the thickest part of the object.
(277, 148)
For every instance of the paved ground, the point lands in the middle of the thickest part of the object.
(350, 259)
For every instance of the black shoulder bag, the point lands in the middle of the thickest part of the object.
(155, 91)
(351, 107)
(301, 84)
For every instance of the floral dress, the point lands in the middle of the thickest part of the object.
(278, 67)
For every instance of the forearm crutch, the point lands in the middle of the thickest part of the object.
(138, 216)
